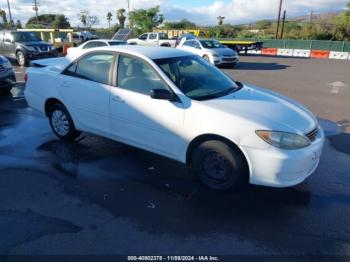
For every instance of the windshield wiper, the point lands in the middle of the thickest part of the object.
(217, 94)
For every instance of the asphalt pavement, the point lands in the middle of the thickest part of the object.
(99, 197)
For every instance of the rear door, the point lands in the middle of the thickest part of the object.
(9, 46)
(85, 89)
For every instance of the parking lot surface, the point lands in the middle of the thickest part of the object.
(97, 196)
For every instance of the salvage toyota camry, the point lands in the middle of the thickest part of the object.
(178, 105)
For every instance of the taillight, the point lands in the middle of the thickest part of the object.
(25, 77)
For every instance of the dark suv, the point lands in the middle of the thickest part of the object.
(25, 46)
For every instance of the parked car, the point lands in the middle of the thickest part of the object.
(182, 38)
(175, 104)
(211, 50)
(24, 47)
(7, 75)
(153, 39)
(73, 51)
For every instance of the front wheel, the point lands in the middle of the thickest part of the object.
(22, 60)
(219, 166)
(61, 123)
(206, 58)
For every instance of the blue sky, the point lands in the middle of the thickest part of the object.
(202, 12)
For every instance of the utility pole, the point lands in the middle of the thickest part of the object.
(283, 22)
(10, 15)
(35, 8)
(128, 21)
(310, 22)
(279, 18)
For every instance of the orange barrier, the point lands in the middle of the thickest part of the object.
(65, 48)
(319, 54)
(269, 51)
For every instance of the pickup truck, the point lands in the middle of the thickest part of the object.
(153, 39)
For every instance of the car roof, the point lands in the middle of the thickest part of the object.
(147, 51)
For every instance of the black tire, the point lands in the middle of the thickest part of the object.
(205, 57)
(219, 166)
(5, 90)
(22, 60)
(61, 123)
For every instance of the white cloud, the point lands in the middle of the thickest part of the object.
(235, 11)
(238, 11)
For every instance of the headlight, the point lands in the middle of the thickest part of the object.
(31, 48)
(51, 48)
(215, 55)
(283, 140)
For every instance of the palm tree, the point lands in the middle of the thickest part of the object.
(109, 19)
(121, 17)
(220, 20)
(3, 16)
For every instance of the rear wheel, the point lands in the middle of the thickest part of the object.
(61, 123)
(22, 60)
(219, 166)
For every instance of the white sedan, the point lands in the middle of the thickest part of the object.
(175, 104)
(74, 51)
(211, 50)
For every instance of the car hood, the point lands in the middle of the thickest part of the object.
(222, 51)
(269, 110)
(35, 43)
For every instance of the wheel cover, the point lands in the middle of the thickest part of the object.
(216, 168)
(60, 123)
(20, 58)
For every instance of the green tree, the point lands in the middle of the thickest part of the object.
(83, 17)
(3, 16)
(182, 24)
(143, 20)
(263, 24)
(121, 17)
(109, 19)
(61, 22)
(18, 24)
(342, 27)
(44, 21)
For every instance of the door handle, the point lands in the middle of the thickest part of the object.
(117, 99)
(64, 84)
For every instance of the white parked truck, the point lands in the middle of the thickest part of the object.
(153, 39)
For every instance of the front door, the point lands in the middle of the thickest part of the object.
(138, 119)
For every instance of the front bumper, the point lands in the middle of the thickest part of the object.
(225, 60)
(8, 79)
(41, 55)
(283, 168)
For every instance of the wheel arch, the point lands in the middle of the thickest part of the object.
(49, 103)
(208, 137)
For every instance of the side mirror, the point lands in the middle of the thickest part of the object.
(162, 94)
(240, 85)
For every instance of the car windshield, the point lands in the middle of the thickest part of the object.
(196, 78)
(117, 43)
(25, 37)
(211, 44)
